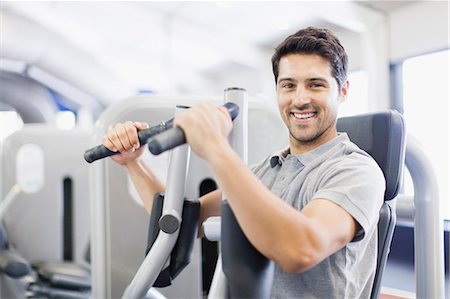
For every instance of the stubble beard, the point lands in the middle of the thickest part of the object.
(308, 136)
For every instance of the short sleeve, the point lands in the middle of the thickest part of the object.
(357, 184)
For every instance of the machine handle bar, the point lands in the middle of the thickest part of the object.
(100, 151)
(175, 136)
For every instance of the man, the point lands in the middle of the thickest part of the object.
(318, 200)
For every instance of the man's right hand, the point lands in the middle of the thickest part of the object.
(123, 138)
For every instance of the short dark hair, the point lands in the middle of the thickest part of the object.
(318, 41)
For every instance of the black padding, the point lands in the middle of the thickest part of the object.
(382, 135)
(42, 290)
(13, 265)
(164, 279)
(64, 275)
(3, 238)
(386, 226)
(249, 273)
(153, 226)
(181, 254)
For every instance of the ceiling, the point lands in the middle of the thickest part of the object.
(386, 6)
(182, 45)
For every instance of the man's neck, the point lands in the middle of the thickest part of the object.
(298, 147)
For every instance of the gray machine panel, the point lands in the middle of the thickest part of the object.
(34, 220)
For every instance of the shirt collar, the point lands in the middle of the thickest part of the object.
(307, 157)
(279, 157)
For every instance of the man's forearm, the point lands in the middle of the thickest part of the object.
(269, 223)
(145, 181)
(147, 185)
(210, 207)
(295, 240)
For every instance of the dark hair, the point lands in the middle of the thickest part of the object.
(318, 41)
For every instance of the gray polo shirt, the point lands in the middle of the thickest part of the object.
(346, 175)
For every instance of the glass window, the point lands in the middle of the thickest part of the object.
(358, 97)
(425, 100)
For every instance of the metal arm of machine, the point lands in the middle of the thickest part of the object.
(428, 224)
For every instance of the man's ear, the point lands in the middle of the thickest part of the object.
(343, 93)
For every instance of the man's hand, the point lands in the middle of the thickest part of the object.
(123, 138)
(206, 127)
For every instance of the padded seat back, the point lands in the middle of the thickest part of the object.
(382, 135)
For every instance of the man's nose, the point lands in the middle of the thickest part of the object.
(301, 97)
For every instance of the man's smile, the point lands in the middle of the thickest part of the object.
(302, 117)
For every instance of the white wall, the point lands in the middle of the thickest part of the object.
(418, 29)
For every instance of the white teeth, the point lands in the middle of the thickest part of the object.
(303, 115)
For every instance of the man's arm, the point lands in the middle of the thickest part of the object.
(124, 139)
(210, 205)
(295, 240)
(146, 183)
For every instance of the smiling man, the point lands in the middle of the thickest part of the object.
(308, 99)
(317, 201)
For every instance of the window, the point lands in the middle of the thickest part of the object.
(358, 97)
(426, 111)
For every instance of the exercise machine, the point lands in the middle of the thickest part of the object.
(117, 254)
(165, 259)
(45, 212)
(149, 274)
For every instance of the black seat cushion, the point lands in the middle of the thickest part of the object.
(63, 274)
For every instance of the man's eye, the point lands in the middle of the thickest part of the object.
(287, 85)
(316, 85)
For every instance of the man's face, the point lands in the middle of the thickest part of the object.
(308, 99)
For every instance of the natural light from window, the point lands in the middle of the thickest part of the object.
(425, 98)
(358, 98)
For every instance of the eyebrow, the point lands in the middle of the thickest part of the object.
(280, 80)
(285, 79)
(318, 79)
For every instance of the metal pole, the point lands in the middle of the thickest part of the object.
(428, 224)
(239, 136)
(239, 142)
(173, 204)
(99, 228)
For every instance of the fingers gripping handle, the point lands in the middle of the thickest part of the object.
(100, 151)
(174, 137)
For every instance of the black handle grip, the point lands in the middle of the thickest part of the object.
(100, 151)
(174, 137)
